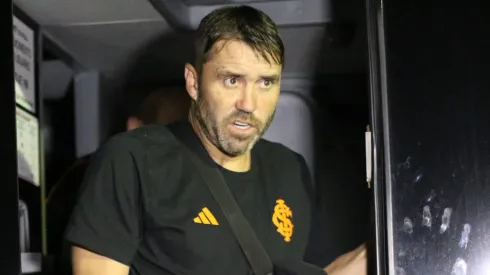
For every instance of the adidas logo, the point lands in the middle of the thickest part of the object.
(206, 217)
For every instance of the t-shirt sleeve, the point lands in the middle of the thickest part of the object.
(317, 252)
(106, 219)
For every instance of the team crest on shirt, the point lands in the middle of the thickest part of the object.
(282, 219)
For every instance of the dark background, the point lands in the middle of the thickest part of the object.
(9, 254)
(439, 129)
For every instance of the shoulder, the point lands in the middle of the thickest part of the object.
(137, 141)
(277, 152)
(285, 162)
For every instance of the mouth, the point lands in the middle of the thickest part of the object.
(242, 125)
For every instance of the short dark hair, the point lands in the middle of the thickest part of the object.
(242, 23)
(151, 105)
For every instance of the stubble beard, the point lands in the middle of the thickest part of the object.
(216, 131)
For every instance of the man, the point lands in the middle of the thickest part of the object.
(163, 106)
(145, 209)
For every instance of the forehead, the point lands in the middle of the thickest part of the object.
(237, 55)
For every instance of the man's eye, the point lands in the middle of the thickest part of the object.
(231, 82)
(266, 83)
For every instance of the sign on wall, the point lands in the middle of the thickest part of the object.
(24, 61)
(27, 146)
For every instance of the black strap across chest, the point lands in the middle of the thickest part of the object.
(253, 250)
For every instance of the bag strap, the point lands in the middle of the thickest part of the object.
(250, 244)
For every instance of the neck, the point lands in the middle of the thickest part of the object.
(239, 163)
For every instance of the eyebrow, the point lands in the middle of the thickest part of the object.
(272, 78)
(228, 73)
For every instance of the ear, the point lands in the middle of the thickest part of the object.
(133, 123)
(191, 81)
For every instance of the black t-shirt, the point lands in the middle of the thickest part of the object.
(143, 204)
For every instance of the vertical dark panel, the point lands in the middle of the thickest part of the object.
(9, 252)
(30, 194)
(437, 132)
(377, 80)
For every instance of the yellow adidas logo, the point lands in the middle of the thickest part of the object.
(206, 217)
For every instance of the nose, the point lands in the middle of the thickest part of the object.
(247, 101)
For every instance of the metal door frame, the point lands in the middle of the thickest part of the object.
(10, 252)
(380, 138)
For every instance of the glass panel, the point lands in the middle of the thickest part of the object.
(437, 131)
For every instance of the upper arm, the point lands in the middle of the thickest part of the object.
(88, 263)
(106, 219)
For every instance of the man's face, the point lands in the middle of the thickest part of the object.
(237, 95)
